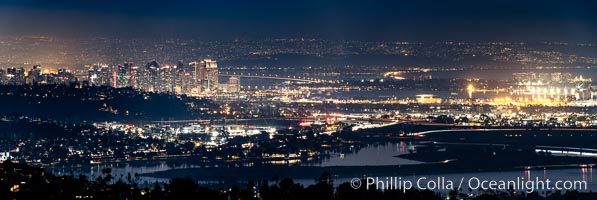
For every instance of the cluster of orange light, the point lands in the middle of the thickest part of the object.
(527, 101)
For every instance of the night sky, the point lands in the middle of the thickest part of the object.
(442, 20)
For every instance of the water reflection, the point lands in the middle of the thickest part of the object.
(367, 155)
(120, 171)
(372, 155)
(571, 174)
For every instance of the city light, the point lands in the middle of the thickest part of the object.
(269, 100)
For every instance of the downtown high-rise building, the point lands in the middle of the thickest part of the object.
(204, 76)
(211, 68)
(34, 75)
(20, 76)
(196, 78)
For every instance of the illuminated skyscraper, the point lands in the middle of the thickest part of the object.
(3, 76)
(203, 76)
(124, 75)
(212, 74)
(34, 75)
(153, 68)
(184, 77)
(64, 76)
(198, 76)
(15, 76)
(232, 86)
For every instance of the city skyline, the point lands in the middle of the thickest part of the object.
(269, 100)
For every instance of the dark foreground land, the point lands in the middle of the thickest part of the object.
(19, 181)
